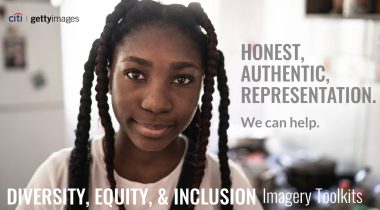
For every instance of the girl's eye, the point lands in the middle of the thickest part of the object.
(135, 75)
(183, 80)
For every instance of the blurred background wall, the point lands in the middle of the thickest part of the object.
(32, 116)
(39, 101)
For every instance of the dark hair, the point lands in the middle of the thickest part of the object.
(129, 15)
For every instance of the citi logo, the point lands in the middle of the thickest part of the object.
(16, 17)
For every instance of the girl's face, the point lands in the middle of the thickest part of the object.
(156, 77)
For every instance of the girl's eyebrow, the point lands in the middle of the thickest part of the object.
(140, 61)
(175, 65)
(183, 64)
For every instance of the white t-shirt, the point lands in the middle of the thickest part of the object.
(53, 174)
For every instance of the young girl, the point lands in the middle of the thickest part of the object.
(153, 59)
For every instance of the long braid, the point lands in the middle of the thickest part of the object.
(78, 178)
(206, 108)
(204, 130)
(78, 158)
(223, 126)
(102, 87)
(215, 58)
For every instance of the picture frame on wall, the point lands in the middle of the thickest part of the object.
(14, 49)
(2, 13)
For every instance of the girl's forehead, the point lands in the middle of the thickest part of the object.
(158, 44)
(156, 31)
(165, 38)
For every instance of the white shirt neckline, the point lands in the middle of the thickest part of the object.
(122, 182)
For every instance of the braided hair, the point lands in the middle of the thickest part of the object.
(129, 15)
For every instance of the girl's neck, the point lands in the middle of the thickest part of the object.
(145, 166)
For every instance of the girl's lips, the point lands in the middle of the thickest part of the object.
(151, 130)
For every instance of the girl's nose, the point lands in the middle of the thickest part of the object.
(157, 100)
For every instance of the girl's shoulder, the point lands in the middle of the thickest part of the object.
(53, 171)
(51, 174)
(238, 178)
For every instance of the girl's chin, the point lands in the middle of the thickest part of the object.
(150, 146)
(144, 141)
